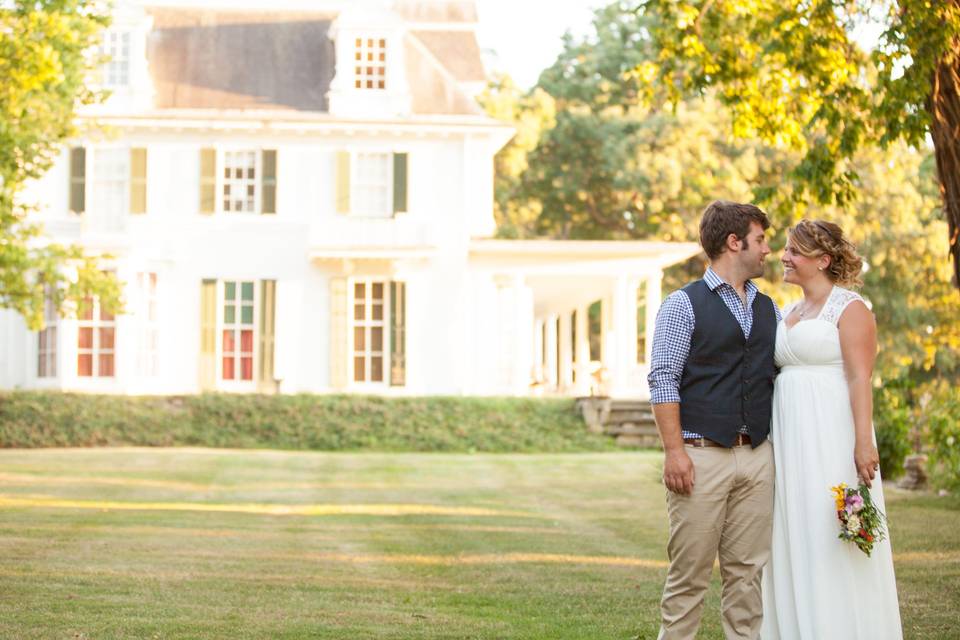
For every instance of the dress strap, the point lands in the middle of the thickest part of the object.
(838, 300)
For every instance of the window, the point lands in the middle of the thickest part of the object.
(116, 70)
(148, 357)
(47, 341)
(238, 329)
(95, 341)
(368, 328)
(240, 181)
(111, 175)
(373, 186)
(370, 63)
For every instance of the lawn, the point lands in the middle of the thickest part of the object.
(202, 543)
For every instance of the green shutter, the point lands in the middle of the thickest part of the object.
(399, 182)
(338, 333)
(398, 334)
(342, 194)
(208, 335)
(268, 316)
(138, 180)
(78, 179)
(269, 184)
(208, 180)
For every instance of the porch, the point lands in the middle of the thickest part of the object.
(594, 304)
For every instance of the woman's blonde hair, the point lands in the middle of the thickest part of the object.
(815, 238)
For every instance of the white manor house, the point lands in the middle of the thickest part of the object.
(298, 197)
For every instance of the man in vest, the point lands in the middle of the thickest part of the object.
(711, 385)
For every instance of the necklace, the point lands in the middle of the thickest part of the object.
(809, 307)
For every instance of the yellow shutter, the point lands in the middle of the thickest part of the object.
(78, 179)
(343, 182)
(338, 333)
(268, 202)
(138, 180)
(265, 377)
(208, 335)
(398, 333)
(208, 180)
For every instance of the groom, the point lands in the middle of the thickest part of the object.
(711, 385)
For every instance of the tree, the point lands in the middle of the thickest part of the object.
(44, 62)
(612, 166)
(793, 76)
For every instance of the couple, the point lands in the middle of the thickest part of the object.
(764, 504)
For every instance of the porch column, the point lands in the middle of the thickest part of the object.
(582, 349)
(522, 340)
(551, 343)
(624, 339)
(566, 351)
(654, 294)
(538, 350)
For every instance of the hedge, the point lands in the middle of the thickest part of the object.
(297, 422)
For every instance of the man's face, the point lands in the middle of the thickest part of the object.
(754, 251)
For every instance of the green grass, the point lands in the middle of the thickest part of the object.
(557, 546)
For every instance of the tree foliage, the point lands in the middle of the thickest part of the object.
(793, 76)
(44, 62)
(611, 164)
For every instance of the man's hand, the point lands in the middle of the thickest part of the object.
(867, 459)
(678, 472)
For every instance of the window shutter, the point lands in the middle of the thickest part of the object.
(399, 182)
(208, 180)
(338, 333)
(268, 315)
(343, 182)
(398, 334)
(208, 335)
(269, 185)
(78, 179)
(138, 180)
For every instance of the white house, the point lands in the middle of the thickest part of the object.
(298, 198)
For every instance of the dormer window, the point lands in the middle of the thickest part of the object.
(370, 63)
(116, 47)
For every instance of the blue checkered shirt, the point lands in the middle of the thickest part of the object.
(674, 329)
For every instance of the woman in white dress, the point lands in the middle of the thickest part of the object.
(816, 586)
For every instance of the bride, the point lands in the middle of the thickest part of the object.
(817, 586)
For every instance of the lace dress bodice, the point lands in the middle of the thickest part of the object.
(814, 342)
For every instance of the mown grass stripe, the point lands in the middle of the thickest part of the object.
(44, 502)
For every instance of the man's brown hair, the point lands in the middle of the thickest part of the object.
(721, 218)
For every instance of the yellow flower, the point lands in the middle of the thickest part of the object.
(840, 495)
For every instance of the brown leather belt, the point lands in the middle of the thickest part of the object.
(739, 441)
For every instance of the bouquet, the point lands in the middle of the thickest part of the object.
(861, 522)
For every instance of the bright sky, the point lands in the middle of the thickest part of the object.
(525, 34)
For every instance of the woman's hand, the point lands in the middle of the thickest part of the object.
(867, 459)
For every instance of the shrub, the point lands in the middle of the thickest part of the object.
(942, 433)
(893, 419)
(304, 421)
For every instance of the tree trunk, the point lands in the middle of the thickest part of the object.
(945, 131)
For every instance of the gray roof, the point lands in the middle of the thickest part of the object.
(220, 59)
(231, 60)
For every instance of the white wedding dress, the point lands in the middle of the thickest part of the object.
(816, 586)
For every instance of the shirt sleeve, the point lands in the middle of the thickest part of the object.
(777, 312)
(671, 346)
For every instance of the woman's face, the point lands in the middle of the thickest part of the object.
(798, 268)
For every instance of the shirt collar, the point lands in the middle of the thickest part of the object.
(713, 280)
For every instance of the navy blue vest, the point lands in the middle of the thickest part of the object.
(728, 380)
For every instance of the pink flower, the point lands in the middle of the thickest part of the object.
(854, 503)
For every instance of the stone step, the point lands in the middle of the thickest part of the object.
(631, 405)
(631, 429)
(619, 416)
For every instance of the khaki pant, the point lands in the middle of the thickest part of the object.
(730, 512)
